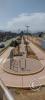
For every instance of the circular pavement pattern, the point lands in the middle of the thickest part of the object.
(35, 85)
(23, 66)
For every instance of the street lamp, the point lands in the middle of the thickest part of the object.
(27, 28)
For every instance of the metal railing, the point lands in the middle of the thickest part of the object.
(6, 91)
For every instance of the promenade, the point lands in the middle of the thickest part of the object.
(22, 81)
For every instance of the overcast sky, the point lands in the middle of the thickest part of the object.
(16, 14)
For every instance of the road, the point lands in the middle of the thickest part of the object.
(22, 81)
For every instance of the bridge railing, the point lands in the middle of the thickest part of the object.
(6, 91)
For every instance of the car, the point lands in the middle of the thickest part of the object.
(2, 45)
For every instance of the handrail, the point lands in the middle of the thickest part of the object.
(6, 91)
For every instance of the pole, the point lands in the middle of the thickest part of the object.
(27, 28)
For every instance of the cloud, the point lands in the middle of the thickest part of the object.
(36, 21)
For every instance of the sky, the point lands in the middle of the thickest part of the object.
(15, 15)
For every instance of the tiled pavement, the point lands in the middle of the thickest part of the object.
(23, 81)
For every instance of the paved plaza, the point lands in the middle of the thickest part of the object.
(23, 66)
(24, 81)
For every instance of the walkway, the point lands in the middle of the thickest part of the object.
(23, 81)
(22, 48)
(39, 53)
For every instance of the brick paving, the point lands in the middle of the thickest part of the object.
(23, 66)
(22, 48)
(23, 81)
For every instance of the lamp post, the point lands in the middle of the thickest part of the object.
(27, 28)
